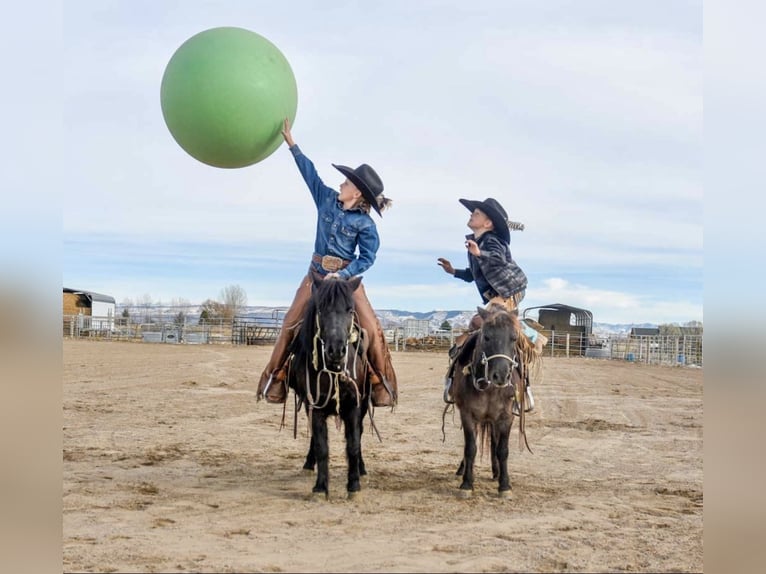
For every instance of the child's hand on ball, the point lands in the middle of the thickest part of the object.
(286, 133)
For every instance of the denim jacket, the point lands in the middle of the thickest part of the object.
(495, 271)
(339, 232)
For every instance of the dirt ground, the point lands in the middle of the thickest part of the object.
(170, 465)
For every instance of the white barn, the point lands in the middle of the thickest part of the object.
(92, 310)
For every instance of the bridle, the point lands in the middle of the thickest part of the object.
(334, 376)
(482, 383)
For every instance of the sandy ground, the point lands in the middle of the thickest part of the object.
(170, 465)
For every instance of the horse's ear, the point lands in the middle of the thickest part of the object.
(483, 313)
(355, 282)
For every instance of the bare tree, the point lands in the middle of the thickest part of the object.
(670, 330)
(212, 311)
(234, 299)
(181, 306)
(145, 302)
(676, 330)
(695, 327)
(127, 308)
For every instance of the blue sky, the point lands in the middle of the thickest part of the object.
(583, 119)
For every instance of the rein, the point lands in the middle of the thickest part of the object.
(481, 383)
(346, 374)
(518, 392)
(335, 377)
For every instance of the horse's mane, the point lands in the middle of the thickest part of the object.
(326, 295)
(496, 313)
(525, 348)
(499, 312)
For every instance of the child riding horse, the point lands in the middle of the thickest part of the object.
(345, 246)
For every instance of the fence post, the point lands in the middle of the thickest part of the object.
(567, 347)
(553, 342)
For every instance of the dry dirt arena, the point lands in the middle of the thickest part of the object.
(170, 465)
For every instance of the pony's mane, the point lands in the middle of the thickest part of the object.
(499, 313)
(327, 295)
(332, 293)
(525, 348)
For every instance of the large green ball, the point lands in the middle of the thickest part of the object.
(225, 94)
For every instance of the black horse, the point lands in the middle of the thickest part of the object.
(488, 377)
(328, 372)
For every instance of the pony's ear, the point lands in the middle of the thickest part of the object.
(483, 313)
(354, 282)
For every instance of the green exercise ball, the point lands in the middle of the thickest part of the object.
(225, 94)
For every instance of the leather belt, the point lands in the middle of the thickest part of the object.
(330, 263)
(489, 294)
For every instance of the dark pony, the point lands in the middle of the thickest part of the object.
(327, 371)
(488, 376)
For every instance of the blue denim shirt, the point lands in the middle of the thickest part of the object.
(339, 232)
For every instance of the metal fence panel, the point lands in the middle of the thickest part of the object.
(684, 350)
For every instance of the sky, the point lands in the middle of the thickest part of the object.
(584, 119)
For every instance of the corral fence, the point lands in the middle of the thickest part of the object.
(682, 350)
(418, 335)
(152, 331)
(247, 330)
(686, 350)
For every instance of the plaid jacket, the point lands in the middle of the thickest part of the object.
(494, 271)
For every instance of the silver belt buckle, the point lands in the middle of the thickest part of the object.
(331, 263)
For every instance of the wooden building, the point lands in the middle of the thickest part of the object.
(92, 310)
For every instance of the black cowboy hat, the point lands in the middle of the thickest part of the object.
(495, 212)
(366, 180)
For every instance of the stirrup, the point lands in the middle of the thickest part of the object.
(528, 407)
(530, 400)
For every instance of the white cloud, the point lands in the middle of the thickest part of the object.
(616, 306)
(585, 123)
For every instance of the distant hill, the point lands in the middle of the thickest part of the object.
(389, 318)
(459, 319)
